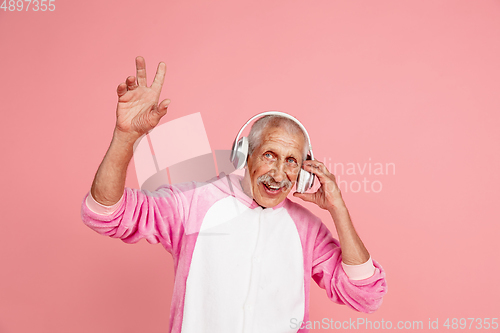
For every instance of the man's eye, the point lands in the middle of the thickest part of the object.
(268, 155)
(292, 161)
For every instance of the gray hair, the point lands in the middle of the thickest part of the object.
(290, 126)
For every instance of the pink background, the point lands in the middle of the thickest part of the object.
(414, 83)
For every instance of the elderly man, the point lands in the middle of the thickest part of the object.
(244, 254)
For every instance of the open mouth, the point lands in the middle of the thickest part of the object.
(272, 188)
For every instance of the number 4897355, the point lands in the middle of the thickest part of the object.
(34, 5)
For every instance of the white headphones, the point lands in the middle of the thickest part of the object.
(239, 153)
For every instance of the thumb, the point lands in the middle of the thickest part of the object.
(164, 104)
(304, 196)
(162, 107)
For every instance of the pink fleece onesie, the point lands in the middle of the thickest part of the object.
(238, 267)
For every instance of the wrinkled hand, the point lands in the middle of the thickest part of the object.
(138, 110)
(328, 195)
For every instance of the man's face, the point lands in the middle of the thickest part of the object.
(274, 166)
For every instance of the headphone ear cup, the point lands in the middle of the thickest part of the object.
(240, 153)
(304, 181)
(300, 182)
(310, 181)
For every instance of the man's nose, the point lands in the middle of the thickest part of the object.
(279, 171)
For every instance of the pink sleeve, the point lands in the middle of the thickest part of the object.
(101, 209)
(361, 271)
(364, 295)
(157, 216)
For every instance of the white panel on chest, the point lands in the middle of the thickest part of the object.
(235, 235)
(247, 263)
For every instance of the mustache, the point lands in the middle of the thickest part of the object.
(269, 180)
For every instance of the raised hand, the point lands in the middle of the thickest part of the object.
(328, 195)
(138, 110)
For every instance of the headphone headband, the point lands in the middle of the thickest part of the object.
(282, 114)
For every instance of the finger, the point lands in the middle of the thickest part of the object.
(121, 90)
(318, 164)
(140, 65)
(131, 84)
(313, 168)
(325, 179)
(159, 77)
(324, 169)
(318, 168)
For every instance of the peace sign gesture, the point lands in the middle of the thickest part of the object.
(138, 110)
